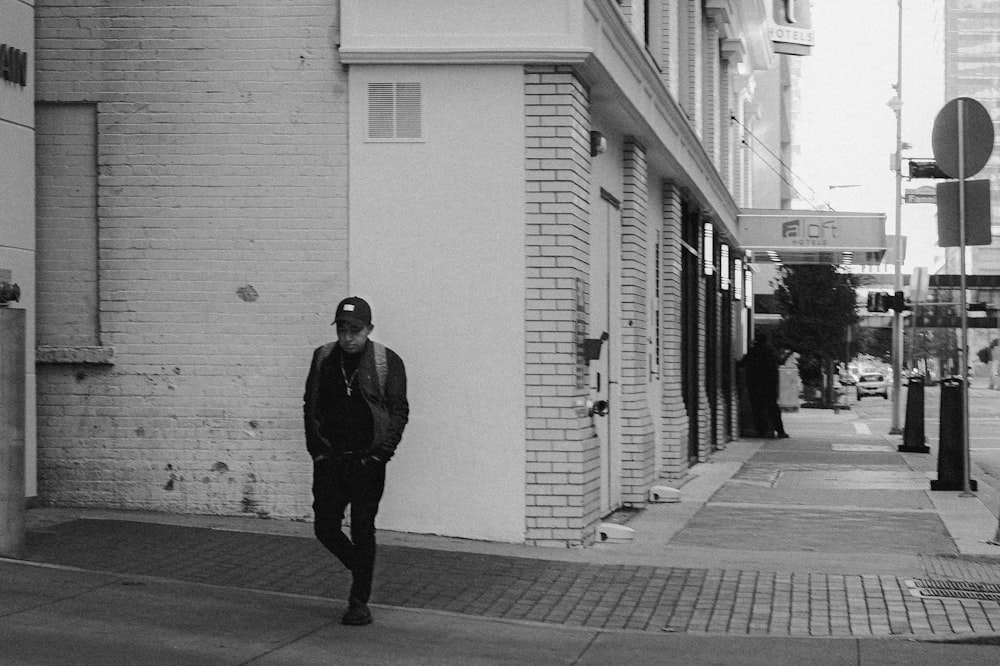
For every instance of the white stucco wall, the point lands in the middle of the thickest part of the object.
(17, 199)
(439, 253)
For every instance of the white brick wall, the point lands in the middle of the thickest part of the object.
(638, 455)
(713, 100)
(562, 450)
(221, 136)
(675, 419)
(690, 90)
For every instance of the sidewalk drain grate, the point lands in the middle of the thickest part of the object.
(954, 589)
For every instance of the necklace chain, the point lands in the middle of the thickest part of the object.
(343, 373)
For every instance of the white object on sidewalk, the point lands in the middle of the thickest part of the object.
(664, 494)
(614, 533)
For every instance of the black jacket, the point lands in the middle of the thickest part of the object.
(389, 407)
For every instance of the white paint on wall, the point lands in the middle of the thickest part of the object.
(437, 245)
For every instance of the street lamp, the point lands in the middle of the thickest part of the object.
(896, 104)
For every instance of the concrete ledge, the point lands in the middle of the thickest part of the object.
(75, 355)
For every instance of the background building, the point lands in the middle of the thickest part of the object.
(972, 65)
(17, 213)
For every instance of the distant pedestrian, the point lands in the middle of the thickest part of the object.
(355, 410)
(761, 367)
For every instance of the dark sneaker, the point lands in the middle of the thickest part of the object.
(782, 435)
(357, 614)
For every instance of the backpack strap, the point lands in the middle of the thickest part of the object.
(381, 366)
(325, 351)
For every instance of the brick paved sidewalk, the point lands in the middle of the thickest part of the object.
(648, 598)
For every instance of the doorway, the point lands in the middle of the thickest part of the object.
(605, 307)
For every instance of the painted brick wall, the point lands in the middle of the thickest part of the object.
(675, 420)
(562, 450)
(705, 442)
(66, 224)
(638, 440)
(712, 75)
(726, 125)
(690, 90)
(666, 51)
(221, 156)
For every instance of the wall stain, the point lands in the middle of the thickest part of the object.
(247, 293)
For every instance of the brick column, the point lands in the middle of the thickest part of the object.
(562, 454)
(725, 124)
(666, 42)
(673, 456)
(704, 409)
(691, 86)
(638, 441)
(712, 100)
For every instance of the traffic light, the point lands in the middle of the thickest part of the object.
(898, 302)
(928, 169)
(878, 301)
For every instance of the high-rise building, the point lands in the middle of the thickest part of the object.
(972, 69)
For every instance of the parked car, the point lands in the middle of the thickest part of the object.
(872, 384)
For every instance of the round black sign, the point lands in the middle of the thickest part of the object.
(977, 135)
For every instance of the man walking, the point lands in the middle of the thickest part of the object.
(355, 410)
(761, 364)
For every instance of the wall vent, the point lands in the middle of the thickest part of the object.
(395, 111)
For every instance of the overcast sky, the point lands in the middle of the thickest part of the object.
(846, 132)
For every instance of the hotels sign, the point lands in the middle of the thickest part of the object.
(790, 28)
(804, 233)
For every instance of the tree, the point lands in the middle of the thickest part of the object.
(986, 353)
(818, 304)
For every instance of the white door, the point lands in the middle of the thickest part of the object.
(604, 290)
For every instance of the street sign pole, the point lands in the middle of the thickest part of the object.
(963, 139)
(964, 355)
(897, 315)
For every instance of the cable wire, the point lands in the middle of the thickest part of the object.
(810, 200)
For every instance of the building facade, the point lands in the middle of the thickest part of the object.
(17, 239)
(972, 65)
(539, 199)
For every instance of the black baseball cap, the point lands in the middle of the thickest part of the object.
(354, 310)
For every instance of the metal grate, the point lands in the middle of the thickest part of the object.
(954, 589)
(395, 111)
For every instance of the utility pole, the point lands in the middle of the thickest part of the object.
(897, 315)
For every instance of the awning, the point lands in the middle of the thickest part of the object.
(812, 236)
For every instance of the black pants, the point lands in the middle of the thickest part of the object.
(767, 417)
(776, 421)
(335, 485)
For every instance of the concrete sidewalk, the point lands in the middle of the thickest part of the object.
(813, 547)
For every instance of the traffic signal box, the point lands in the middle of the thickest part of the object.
(927, 169)
(881, 301)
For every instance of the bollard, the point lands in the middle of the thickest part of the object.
(951, 441)
(914, 440)
(12, 377)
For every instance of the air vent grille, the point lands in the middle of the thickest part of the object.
(395, 111)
